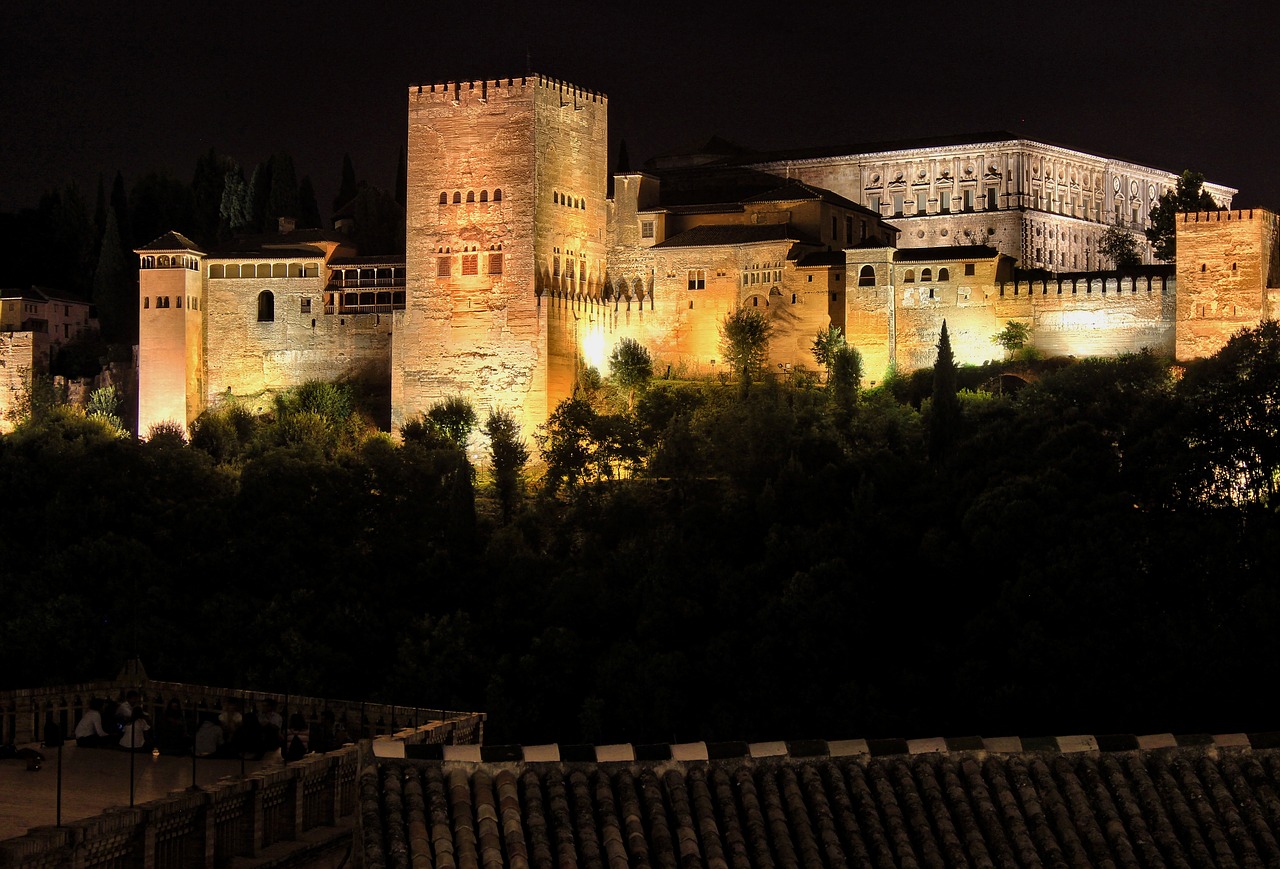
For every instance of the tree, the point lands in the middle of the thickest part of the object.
(236, 209)
(509, 455)
(1234, 420)
(744, 343)
(308, 208)
(347, 190)
(1013, 337)
(455, 417)
(282, 199)
(825, 345)
(1188, 195)
(944, 419)
(845, 376)
(1120, 246)
(112, 284)
(630, 366)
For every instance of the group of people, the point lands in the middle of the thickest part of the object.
(232, 733)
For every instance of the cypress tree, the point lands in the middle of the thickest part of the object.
(112, 281)
(402, 180)
(308, 208)
(282, 201)
(348, 189)
(944, 418)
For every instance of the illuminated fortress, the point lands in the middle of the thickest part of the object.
(521, 266)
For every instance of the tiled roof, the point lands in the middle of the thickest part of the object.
(1081, 801)
(300, 242)
(712, 234)
(798, 191)
(43, 294)
(946, 252)
(392, 259)
(172, 240)
(821, 258)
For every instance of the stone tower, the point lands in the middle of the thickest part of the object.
(1228, 276)
(505, 228)
(171, 332)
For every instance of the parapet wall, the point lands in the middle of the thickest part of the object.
(296, 815)
(24, 711)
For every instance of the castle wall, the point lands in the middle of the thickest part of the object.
(487, 336)
(17, 363)
(1228, 276)
(252, 359)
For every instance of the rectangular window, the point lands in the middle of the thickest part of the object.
(897, 204)
(746, 279)
(875, 203)
(968, 200)
(944, 202)
(582, 270)
(993, 198)
(922, 203)
(555, 267)
(495, 263)
(306, 305)
(444, 266)
(968, 269)
(697, 279)
(470, 264)
(146, 302)
(646, 229)
(848, 230)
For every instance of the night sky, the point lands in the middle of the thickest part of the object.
(89, 88)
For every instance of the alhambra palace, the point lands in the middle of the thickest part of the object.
(526, 261)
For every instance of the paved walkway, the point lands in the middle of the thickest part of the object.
(95, 779)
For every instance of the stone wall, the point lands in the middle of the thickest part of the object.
(17, 362)
(248, 358)
(1228, 276)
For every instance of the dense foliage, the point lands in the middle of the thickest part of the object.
(1092, 554)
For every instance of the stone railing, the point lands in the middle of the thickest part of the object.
(301, 814)
(24, 712)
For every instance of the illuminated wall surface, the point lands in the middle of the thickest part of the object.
(519, 269)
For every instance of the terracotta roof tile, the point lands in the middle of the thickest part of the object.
(1049, 802)
(713, 234)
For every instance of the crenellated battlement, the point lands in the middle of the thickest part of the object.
(1218, 215)
(454, 90)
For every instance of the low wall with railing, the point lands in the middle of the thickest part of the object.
(301, 814)
(271, 815)
(24, 712)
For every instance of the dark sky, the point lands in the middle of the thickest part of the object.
(89, 88)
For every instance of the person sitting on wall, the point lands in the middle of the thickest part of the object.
(272, 726)
(171, 732)
(247, 741)
(89, 731)
(124, 711)
(209, 737)
(297, 739)
(136, 736)
(231, 718)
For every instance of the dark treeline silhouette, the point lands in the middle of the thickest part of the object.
(1094, 553)
(74, 242)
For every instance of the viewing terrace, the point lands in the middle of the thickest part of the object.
(100, 807)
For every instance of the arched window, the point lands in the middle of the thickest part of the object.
(148, 262)
(163, 262)
(944, 275)
(444, 198)
(909, 276)
(266, 307)
(215, 271)
(471, 196)
(457, 197)
(264, 270)
(926, 275)
(867, 277)
(484, 195)
(497, 195)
